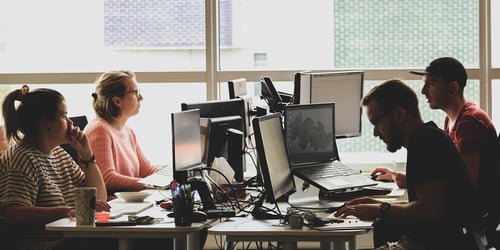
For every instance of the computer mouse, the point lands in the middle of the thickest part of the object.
(199, 216)
(376, 175)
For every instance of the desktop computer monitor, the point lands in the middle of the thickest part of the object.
(237, 88)
(220, 108)
(225, 108)
(344, 88)
(221, 139)
(273, 159)
(186, 144)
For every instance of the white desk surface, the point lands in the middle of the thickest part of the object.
(247, 229)
(185, 237)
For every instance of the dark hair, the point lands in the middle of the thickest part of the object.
(110, 84)
(391, 94)
(23, 123)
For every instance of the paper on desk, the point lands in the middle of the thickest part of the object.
(221, 164)
(349, 223)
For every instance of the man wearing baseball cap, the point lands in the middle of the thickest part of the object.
(470, 128)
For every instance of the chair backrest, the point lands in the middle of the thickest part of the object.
(81, 122)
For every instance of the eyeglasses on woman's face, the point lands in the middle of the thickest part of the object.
(136, 92)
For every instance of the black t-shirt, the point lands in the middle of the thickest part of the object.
(432, 156)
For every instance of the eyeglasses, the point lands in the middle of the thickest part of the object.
(136, 92)
(376, 121)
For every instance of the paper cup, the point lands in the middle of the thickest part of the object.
(85, 205)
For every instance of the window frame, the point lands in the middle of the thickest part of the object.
(213, 74)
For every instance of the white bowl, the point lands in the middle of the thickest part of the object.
(133, 196)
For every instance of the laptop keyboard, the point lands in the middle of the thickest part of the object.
(332, 169)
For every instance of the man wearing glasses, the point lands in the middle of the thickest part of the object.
(470, 128)
(442, 202)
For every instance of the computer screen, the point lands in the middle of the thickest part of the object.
(310, 132)
(186, 143)
(221, 139)
(273, 157)
(344, 88)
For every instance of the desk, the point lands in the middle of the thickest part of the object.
(247, 229)
(184, 237)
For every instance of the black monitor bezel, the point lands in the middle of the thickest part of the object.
(264, 168)
(221, 108)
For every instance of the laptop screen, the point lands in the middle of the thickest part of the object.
(310, 133)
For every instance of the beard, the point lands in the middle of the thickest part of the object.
(395, 141)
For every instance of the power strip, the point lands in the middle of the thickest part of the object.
(220, 212)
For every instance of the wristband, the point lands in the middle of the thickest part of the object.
(86, 163)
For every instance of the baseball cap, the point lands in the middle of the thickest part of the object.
(447, 67)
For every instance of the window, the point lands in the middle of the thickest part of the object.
(66, 45)
(95, 36)
(495, 33)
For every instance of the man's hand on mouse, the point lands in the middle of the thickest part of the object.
(385, 174)
(382, 174)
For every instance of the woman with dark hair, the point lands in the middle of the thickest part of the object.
(122, 162)
(37, 176)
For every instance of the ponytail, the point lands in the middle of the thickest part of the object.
(23, 122)
(9, 113)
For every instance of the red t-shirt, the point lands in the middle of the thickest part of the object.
(473, 129)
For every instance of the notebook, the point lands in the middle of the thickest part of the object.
(120, 208)
(312, 149)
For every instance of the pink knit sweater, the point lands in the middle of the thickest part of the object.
(119, 156)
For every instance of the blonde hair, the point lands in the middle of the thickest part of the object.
(110, 84)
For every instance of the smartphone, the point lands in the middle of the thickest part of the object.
(115, 223)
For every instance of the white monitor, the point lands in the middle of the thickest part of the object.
(344, 88)
(237, 87)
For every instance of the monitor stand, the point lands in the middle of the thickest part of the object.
(307, 196)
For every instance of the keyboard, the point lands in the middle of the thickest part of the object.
(332, 169)
(120, 208)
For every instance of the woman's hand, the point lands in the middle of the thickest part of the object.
(78, 140)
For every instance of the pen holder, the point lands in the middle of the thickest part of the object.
(183, 211)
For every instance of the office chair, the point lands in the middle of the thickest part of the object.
(81, 122)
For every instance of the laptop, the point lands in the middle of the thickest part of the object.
(312, 149)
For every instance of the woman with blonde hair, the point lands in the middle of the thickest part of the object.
(116, 99)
